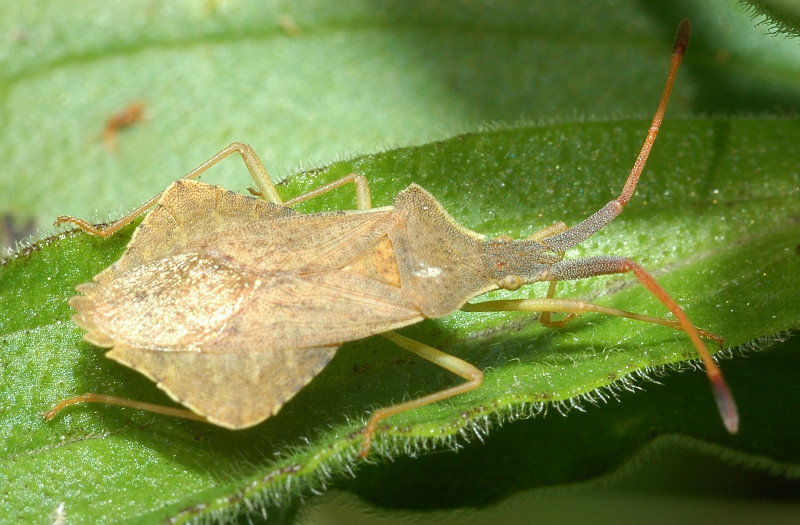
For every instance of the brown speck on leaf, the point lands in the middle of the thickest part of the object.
(126, 117)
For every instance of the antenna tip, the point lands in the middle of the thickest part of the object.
(681, 38)
(726, 404)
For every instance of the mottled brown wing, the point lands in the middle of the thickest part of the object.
(231, 390)
(192, 303)
(303, 243)
(321, 309)
(214, 271)
(232, 304)
(187, 211)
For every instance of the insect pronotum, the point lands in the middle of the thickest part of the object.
(217, 290)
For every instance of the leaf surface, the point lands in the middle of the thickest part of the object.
(715, 219)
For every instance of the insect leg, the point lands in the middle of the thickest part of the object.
(548, 231)
(469, 372)
(724, 398)
(363, 198)
(545, 317)
(266, 189)
(91, 397)
(575, 307)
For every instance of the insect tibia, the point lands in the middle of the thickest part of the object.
(91, 397)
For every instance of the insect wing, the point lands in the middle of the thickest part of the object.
(236, 390)
(232, 304)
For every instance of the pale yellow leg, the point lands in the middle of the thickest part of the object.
(570, 306)
(469, 372)
(91, 397)
(548, 231)
(363, 197)
(251, 160)
(545, 317)
(266, 190)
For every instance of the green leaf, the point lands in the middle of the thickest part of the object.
(715, 219)
(705, 232)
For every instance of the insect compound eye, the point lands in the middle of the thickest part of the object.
(511, 282)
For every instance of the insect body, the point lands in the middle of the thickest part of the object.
(232, 303)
